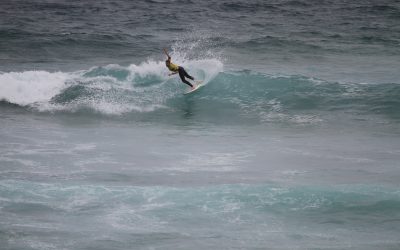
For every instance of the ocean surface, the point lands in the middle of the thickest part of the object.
(293, 142)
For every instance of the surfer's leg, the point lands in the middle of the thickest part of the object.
(185, 81)
(182, 76)
(187, 75)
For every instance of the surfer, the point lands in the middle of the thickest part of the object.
(178, 69)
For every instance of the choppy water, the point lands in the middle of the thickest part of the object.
(293, 142)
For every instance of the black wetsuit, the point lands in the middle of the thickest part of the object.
(182, 74)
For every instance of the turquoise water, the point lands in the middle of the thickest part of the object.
(293, 142)
(230, 216)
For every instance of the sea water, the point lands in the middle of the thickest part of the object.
(293, 142)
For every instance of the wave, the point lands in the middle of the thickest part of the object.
(147, 89)
(112, 89)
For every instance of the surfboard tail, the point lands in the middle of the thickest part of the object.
(196, 87)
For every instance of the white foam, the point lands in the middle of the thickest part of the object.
(148, 68)
(29, 87)
(105, 93)
(205, 69)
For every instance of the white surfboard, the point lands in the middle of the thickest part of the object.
(199, 84)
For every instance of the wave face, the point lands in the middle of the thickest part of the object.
(145, 90)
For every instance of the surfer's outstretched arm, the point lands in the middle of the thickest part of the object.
(173, 73)
(166, 53)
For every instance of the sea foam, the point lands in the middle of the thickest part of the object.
(111, 89)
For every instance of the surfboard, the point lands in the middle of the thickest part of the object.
(199, 84)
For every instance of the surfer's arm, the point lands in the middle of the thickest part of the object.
(173, 73)
(166, 53)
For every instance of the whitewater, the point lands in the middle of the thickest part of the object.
(293, 142)
(111, 89)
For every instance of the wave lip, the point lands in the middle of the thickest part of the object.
(31, 87)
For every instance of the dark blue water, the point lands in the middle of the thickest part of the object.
(342, 40)
(292, 143)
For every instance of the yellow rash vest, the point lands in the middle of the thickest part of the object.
(173, 67)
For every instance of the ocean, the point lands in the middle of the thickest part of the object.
(292, 143)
